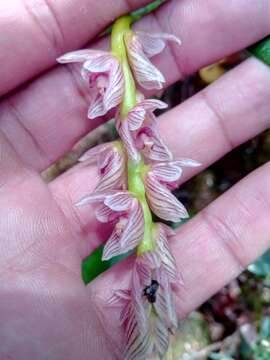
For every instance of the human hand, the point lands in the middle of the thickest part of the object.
(46, 312)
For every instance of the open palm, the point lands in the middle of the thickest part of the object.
(45, 310)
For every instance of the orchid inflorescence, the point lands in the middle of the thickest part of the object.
(137, 174)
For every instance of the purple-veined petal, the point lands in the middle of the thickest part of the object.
(144, 271)
(118, 297)
(119, 200)
(167, 258)
(113, 93)
(112, 247)
(162, 202)
(154, 44)
(147, 75)
(114, 174)
(137, 115)
(90, 199)
(115, 90)
(153, 147)
(166, 172)
(101, 197)
(164, 305)
(125, 135)
(134, 230)
(80, 56)
(92, 154)
(104, 214)
(161, 337)
(104, 73)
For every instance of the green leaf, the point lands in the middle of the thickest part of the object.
(137, 14)
(92, 266)
(262, 266)
(262, 50)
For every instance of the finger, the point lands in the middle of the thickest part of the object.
(37, 32)
(11, 166)
(50, 115)
(210, 124)
(211, 249)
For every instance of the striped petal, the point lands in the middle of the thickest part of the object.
(113, 92)
(92, 154)
(167, 258)
(104, 73)
(80, 56)
(114, 174)
(154, 44)
(134, 230)
(119, 201)
(125, 135)
(166, 171)
(137, 115)
(146, 74)
(162, 202)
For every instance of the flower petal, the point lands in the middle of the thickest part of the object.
(147, 75)
(187, 163)
(111, 248)
(118, 297)
(162, 202)
(113, 176)
(80, 56)
(124, 133)
(119, 201)
(134, 230)
(164, 305)
(158, 151)
(92, 154)
(137, 115)
(104, 214)
(167, 258)
(167, 171)
(154, 44)
(113, 94)
(90, 199)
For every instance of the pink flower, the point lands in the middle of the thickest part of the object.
(148, 310)
(121, 208)
(104, 74)
(141, 46)
(158, 180)
(111, 162)
(138, 132)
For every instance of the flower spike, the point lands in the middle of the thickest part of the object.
(136, 176)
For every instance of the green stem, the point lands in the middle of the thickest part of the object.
(120, 28)
(135, 171)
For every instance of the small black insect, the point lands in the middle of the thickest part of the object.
(151, 291)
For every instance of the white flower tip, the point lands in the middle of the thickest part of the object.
(84, 201)
(61, 59)
(79, 203)
(83, 158)
(176, 40)
(106, 257)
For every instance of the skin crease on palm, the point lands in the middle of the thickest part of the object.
(45, 310)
